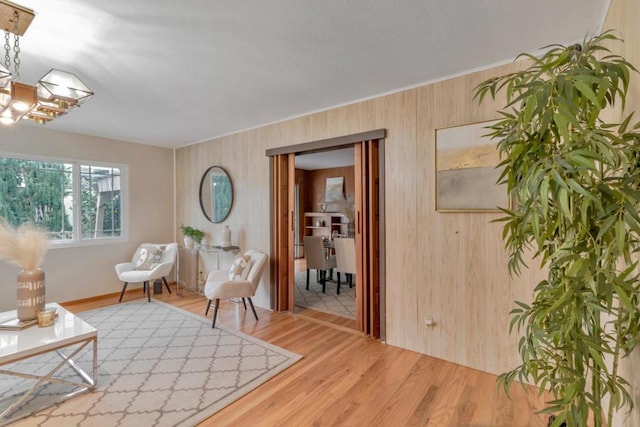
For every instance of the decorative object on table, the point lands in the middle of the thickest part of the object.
(46, 317)
(216, 194)
(191, 235)
(334, 189)
(14, 324)
(225, 237)
(25, 247)
(574, 180)
(466, 170)
(347, 207)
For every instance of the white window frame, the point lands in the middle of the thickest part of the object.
(77, 240)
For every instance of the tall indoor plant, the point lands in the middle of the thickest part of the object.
(575, 184)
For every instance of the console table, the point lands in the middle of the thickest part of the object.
(195, 263)
(68, 330)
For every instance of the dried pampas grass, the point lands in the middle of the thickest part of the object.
(25, 246)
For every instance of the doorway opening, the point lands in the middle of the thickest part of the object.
(324, 207)
(367, 227)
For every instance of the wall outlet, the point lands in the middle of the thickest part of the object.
(429, 323)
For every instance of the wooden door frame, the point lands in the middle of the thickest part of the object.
(277, 281)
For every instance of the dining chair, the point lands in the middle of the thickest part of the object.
(318, 259)
(345, 259)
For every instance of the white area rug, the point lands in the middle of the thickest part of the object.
(343, 305)
(158, 366)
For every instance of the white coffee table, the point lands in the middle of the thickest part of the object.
(19, 345)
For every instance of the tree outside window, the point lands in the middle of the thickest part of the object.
(43, 193)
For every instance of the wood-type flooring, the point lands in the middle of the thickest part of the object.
(348, 379)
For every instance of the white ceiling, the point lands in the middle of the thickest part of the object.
(172, 73)
(326, 159)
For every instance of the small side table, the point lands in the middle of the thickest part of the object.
(67, 330)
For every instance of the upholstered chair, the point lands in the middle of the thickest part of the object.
(240, 281)
(150, 261)
(317, 258)
(345, 258)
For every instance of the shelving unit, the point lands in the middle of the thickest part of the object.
(324, 223)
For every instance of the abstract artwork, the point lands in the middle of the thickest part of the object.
(466, 174)
(334, 189)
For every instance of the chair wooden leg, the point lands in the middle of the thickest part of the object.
(148, 289)
(338, 288)
(350, 276)
(244, 303)
(323, 279)
(253, 308)
(124, 288)
(166, 284)
(307, 279)
(208, 305)
(215, 313)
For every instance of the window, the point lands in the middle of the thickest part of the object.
(73, 201)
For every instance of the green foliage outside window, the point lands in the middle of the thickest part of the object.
(42, 193)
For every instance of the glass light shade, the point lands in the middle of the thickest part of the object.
(62, 88)
(5, 76)
(16, 100)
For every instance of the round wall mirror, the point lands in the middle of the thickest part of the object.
(216, 194)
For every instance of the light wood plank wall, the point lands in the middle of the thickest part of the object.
(623, 16)
(318, 184)
(448, 266)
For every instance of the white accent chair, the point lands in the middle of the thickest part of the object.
(345, 258)
(128, 273)
(318, 259)
(219, 286)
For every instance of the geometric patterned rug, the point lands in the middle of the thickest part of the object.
(343, 305)
(158, 366)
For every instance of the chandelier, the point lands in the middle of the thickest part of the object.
(55, 93)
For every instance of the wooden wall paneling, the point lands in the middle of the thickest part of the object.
(623, 16)
(303, 182)
(318, 183)
(362, 273)
(397, 114)
(448, 266)
(467, 290)
(345, 120)
(373, 233)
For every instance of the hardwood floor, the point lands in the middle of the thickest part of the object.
(346, 378)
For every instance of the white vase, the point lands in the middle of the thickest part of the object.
(188, 242)
(225, 237)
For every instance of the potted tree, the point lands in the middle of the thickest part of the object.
(191, 235)
(575, 184)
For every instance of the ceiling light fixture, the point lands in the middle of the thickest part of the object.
(54, 94)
